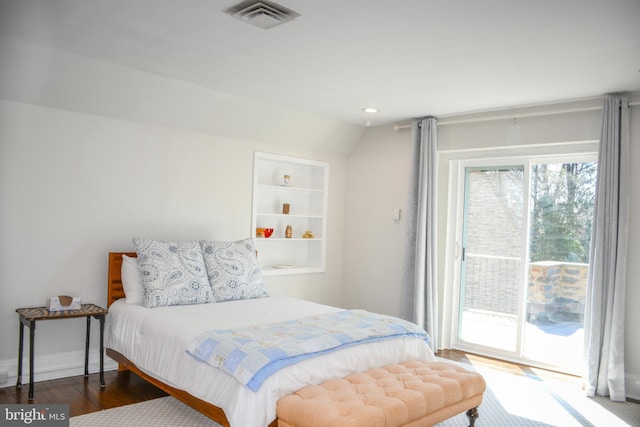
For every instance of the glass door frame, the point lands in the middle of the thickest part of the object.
(455, 233)
(525, 166)
(464, 166)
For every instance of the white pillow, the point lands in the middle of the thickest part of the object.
(233, 270)
(173, 273)
(132, 280)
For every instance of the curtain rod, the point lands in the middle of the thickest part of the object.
(445, 122)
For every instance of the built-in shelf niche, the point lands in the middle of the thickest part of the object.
(306, 194)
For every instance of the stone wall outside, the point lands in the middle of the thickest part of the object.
(550, 281)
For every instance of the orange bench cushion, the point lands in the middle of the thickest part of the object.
(413, 393)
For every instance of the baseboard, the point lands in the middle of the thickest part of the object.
(632, 386)
(54, 366)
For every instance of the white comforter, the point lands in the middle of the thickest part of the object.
(155, 339)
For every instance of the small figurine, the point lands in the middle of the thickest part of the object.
(307, 235)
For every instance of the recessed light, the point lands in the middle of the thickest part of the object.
(370, 110)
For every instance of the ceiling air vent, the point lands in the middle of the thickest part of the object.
(263, 14)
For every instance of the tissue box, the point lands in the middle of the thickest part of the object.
(63, 302)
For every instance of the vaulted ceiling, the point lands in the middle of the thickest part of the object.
(408, 58)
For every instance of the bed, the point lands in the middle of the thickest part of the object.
(151, 342)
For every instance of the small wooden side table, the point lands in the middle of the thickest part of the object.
(28, 318)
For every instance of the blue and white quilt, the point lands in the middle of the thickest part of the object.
(252, 354)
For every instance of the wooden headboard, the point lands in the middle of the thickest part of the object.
(114, 284)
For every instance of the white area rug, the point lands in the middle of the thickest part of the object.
(165, 411)
(510, 400)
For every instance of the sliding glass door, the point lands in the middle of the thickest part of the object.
(561, 212)
(492, 256)
(526, 230)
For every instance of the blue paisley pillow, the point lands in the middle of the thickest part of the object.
(173, 273)
(233, 270)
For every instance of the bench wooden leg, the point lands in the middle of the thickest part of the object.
(473, 415)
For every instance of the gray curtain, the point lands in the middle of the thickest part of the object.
(604, 313)
(419, 282)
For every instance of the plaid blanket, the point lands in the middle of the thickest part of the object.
(252, 354)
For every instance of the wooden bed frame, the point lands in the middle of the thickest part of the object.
(115, 291)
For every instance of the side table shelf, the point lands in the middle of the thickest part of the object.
(29, 317)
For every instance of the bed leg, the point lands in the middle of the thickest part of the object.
(473, 415)
(122, 368)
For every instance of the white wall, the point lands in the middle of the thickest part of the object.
(378, 179)
(93, 154)
(632, 314)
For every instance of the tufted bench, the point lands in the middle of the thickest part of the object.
(413, 393)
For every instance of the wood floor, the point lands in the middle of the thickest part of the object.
(84, 395)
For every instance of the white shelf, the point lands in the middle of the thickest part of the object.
(288, 188)
(279, 215)
(290, 239)
(306, 195)
(270, 271)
